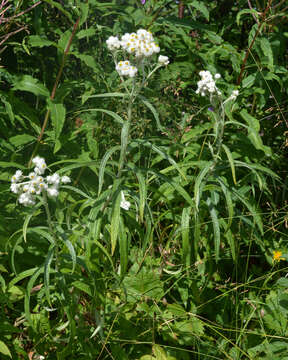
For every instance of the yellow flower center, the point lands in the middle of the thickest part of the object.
(277, 256)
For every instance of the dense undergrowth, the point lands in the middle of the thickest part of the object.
(170, 241)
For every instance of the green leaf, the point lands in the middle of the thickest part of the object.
(84, 8)
(159, 353)
(123, 248)
(201, 7)
(216, 226)
(159, 151)
(267, 51)
(199, 184)
(19, 140)
(142, 194)
(82, 286)
(22, 276)
(86, 33)
(185, 232)
(4, 349)
(58, 6)
(28, 83)
(115, 222)
(38, 41)
(103, 166)
(115, 116)
(231, 162)
(246, 11)
(154, 112)
(282, 282)
(253, 132)
(25, 225)
(47, 265)
(58, 114)
(87, 59)
(249, 81)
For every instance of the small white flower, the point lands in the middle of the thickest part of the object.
(125, 69)
(17, 176)
(53, 191)
(15, 188)
(53, 179)
(234, 94)
(32, 176)
(163, 60)
(65, 179)
(26, 199)
(40, 165)
(217, 76)
(113, 43)
(124, 204)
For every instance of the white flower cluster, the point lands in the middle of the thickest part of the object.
(163, 60)
(124, 68)
(27, 187)
(141, 44)
(207, 85)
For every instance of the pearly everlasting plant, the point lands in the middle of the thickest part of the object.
(27, 187)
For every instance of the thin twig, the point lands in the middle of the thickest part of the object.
(254, 16)
(22, 12)
(279, 4)
(263, 18)
(6, 37)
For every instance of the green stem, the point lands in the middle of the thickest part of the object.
(125, 136)
(50, 226)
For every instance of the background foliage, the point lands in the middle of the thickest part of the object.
(188, 271)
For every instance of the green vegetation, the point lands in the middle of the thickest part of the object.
(158, 230)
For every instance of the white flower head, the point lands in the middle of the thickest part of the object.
(163, 60)
(40, 165)
(53, 179)
(207, 85)
(65, 179)
(35, 183)
(113, 43)
(124, 68)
